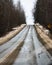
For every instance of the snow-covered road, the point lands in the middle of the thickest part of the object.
(32, 52)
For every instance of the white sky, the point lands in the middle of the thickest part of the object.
(28, 5)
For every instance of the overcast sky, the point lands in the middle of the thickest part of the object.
(28, 6)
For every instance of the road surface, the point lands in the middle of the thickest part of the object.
(32, 51)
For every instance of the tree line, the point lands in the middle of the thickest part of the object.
(43, 13)
(10, 16)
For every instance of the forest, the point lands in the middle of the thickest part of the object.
(43, 13)
(10, 16)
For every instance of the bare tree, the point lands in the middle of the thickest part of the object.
(10, 16)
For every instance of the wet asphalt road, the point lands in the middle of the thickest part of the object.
(31, 53)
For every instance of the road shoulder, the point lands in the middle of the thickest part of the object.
(11, 34)
(45, 39)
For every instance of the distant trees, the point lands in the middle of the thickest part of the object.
(10, 16)
(43, 13)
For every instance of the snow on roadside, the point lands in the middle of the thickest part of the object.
(11, 34)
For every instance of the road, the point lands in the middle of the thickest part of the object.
(32, 51)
